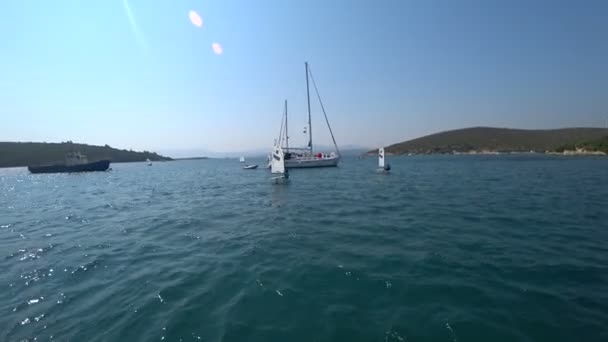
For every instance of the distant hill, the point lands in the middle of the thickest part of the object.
(31, 153)
(490, 139)
(596, 145)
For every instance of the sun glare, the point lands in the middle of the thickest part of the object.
(195, 19)
(217, 48)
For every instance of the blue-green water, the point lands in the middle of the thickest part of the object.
(459, 248)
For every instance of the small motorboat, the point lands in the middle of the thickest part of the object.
(247, 166)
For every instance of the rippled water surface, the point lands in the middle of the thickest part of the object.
(459, 248)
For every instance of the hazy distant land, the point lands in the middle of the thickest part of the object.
(504, 140)
(488, 140)
(14, 154)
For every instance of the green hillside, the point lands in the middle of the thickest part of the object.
(499, 140)
(600, 145)
(31, 153)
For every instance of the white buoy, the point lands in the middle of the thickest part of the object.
(383, 167)
(277, 166)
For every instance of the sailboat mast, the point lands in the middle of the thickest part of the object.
(309, 120)
(286, 132)
(280, 141)
(314, 84)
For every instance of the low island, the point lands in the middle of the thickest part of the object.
(489, 140)
(14, 154)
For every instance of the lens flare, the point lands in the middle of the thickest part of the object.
(217, 48)
(134, 28)
(195, 19)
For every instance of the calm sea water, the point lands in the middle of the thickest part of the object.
(458, 248)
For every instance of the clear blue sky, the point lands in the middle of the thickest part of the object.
(138, 74)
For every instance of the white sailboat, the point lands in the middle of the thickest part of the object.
(242, 159)
(149, 161)
(277, 166)
(383, 167)
(304, 157)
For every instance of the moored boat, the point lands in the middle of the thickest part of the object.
(247, 166)
(74, 162)
(305, 157)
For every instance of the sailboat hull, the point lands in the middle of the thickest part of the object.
(281, 179)
(309, 162)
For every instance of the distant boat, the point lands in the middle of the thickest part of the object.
(305, 157)
(149, 161)
(383, 167)
(277, 166)
(74, 162)
(248, 166)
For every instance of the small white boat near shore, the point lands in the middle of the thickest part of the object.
(247, 166)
